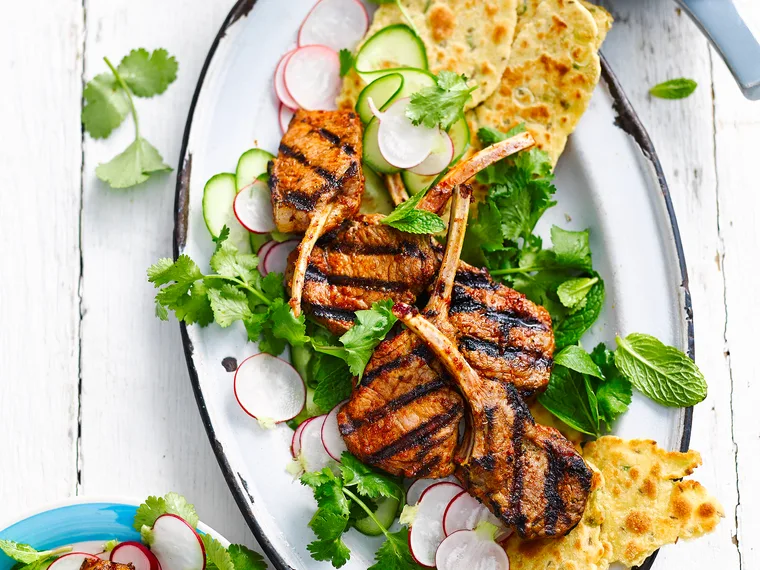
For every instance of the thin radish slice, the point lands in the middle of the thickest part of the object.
(440, 157)
(253, 208)
(72, 561)
(312, 77)
(331, 438)
(135, 553)
(177, 545)
(280, 88)
(314, 456)
(285, 115)
(471, 550)
(269, 388)
(295, 443)
(427, 529)
(276, 260)
(401, 143)
(104, 555)
(262, 251)
(337, 24)
(416, 489)
(465, 512)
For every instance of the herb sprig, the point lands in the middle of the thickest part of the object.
(441, 104)
(407, 218)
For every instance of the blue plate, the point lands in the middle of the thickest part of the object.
(76, 521)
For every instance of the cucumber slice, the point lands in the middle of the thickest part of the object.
(376, 199)
(460, 135)
(381, 90)
(257, 240)
(385, 514)
(372, 155)
(218, 195)
(416, 183)
(393, 46)
(300, 357)
(414, 80)
(251, 165)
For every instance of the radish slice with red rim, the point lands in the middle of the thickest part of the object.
(337, 24)
(465, 512)
(295, 443)
(262, 253)
(472, 550)
(253, 208)
(415, 490)
(135, 553)
(177, 545)
(269, 388)
(312, 77)
(285, 115)
(280, 88)
(403, 144)
(314, 456)
(427, 528)
(331, 437)
(276, 260)
(72, 561)
(439, 158)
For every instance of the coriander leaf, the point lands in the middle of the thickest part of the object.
(614, 397)
(571, 248)
(334, 381)
(441, 104)
(571, 328)
(394, 553)
(229, 304)
(273, 285)
(370, 328)
(184, 270)
(346, 61)
(577, 359)
(228, 262)
(334, 551)
(106, 106)
(217, 557)
(567, 397)
(573, 291)
(286, 325)
(270, 343)
(662, 373)
(172, 503)
(133, 166)
(368, 483)
(25, 554)
(328, 525)
(489, 136)
(243, 558)
(419, 222)
(674, 88)
(328, 491)
(148, 74)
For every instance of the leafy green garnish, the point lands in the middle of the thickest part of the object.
(334, 381)
(407, 218)
(674, 88)
(346, 61)
(243, 558)
(569, 329)
(441, 104)
(110, 545)
(25, 554)
(109, 98)
(573, 291)
(341, 495)
(236, 557)
(662, 373)
(171, 503)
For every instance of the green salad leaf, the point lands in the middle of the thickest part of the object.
(25, 554)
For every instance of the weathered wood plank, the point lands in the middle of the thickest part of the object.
(651, 42)
(40, 161)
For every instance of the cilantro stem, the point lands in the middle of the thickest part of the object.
(367, 510)
(264, 299)
(515, 270)
(407, 17)
(124, 86)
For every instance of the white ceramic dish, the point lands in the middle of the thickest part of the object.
(609, 179)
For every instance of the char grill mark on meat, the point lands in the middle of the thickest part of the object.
(404, 416)
(501, 333)
(98, 564)
(529, 475)
(360, 263)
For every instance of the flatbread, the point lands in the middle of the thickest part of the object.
(644, 505)
(472, 37)
(526, 10)
(552, 72)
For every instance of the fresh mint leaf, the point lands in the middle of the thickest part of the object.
(570, 329)
(441, 104)
(217, 557)
(334, 381)
(573, 291)
(346, 61)
(148, 74)
(578, 360)
(571, 249)
(660, 372)
(405, 217)
(172, 503)
(567, 397)
(133, 166)
(105, 106)
(243, 558)
(674, 88)
(394, 554)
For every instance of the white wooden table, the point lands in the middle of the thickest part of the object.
(94, 393)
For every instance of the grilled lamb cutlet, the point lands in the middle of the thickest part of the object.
(316, 180)
(500, 332)
(97, 564)
(528, 475)
(328, 287)
(404, 416)
(361, 262)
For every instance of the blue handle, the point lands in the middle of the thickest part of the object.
(725, 28)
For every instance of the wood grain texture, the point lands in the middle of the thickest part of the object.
(40, 160)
